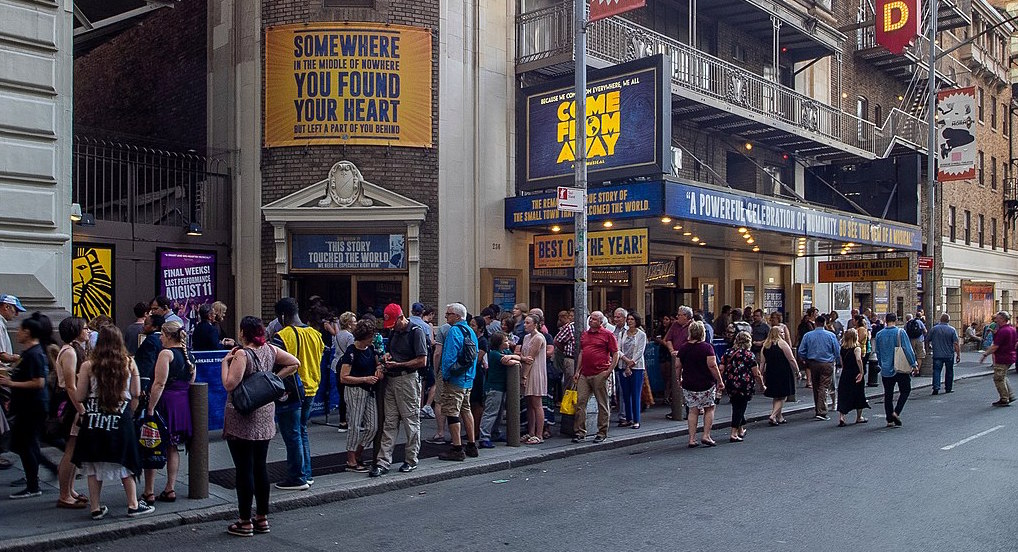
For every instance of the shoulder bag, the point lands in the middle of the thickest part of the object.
(257, 389)
(901, 364)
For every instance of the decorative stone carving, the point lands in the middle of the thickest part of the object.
(345, 187)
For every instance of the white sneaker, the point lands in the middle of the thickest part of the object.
(427, 412)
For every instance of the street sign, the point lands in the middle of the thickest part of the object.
(570, 199)
(925, 263)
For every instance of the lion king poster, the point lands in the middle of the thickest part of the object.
(92, 280)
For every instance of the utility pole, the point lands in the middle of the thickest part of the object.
(932, 289)
(580, 178)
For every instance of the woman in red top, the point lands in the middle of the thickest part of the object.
(696, 372)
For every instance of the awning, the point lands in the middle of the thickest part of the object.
(711, 205)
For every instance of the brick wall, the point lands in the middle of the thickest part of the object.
(412, 172)
(148, 82)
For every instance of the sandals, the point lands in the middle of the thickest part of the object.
(148, 498)
(862, 420)
(261, 526)
(72, 505)
(533, 440)
(357, 468)
(167, 496)
(772, 422)
(241, 529)
(707, 443)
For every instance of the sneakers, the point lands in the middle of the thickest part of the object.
(579, 438)
(998, 403)
(100, 513)
(470, 449)
(427, 412)
(26, 494)
(486, 444)
(343, 427)
(455, 454)
(599, 439)
(407, 467)
(142, 509)
(310, 481)
(935, 392)
(824, 417)
(437, 440)
(292, 486)
(377, 471)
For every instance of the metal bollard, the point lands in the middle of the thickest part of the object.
(678, 409)
(512, 406)
(198, 457)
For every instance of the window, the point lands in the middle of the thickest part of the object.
(739, 53)
(1005, 120)
(862, 112)
(968, 227)
(993, 233)
(979, 169)
(993, 112)
(993, 173)
(878, 115)
(981, 242)
(952, 221)
(979, 102)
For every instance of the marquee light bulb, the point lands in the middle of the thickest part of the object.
(556, 228)
(696, 238)
(742, 230)
(608, 224)
(666, 220)
(755, 249)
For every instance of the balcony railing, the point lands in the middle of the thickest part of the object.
(546, 34)
(982, 59)
(117, 182)
(947, 67)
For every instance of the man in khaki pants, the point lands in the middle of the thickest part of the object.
(1003, 351)
(598, 353)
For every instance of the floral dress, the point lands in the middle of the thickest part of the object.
(737, 372)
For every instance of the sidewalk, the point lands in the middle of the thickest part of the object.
(36, 524)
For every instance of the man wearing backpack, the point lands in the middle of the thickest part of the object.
(294, 412)
(916, 332)
(459, 362)
(407, 353)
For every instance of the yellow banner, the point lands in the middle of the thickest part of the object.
(92, 281)
(864, 270)
(348, 83)
(609, 248)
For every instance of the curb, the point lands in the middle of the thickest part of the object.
(368, 487)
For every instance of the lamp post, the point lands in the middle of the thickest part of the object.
(580, 176)
(931, 290)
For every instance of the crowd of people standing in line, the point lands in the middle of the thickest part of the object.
(455, 372)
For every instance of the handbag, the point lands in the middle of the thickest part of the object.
(293, 387)
(153, 440)
(901, 364)
(569, 397)
(257, 389)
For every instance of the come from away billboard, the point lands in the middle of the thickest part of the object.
(628, 123)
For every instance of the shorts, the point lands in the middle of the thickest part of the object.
(700, 399)
(454, 401)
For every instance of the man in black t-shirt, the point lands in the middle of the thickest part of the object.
(148, 351)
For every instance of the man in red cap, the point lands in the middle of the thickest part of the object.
(408, 352)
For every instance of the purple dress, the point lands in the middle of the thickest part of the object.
(174, 404)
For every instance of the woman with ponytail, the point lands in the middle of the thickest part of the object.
(107, 448)
(30, 398)
(174, 373)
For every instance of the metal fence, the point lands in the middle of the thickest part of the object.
(118, 182)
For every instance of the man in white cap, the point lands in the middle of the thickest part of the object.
(10, 307)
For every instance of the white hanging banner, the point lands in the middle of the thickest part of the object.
(956, 134)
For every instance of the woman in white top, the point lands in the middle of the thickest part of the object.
(107, 448)
(634, 343)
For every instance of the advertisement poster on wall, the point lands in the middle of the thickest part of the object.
(841, 298)
(92, 280)
(504, 292)
(187, 279)
(881, 298)
(977, 302)
(349, 83)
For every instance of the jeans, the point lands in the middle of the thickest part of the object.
(619, 398)
(939, 364)
(904, 382)
(293, 426)
(493, 402)
(252, 477)
(632, 389)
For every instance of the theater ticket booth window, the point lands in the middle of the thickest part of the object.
(351, 242)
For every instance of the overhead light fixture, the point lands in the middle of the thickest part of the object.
(687, 233)
(800, 254)
(677, 227)
(755, 249)
(743, 230)
(556, 228)
(194, 229)
(850, 244)
(802, 239)
(703, 243)
(666, 220)
(608, 224)
(87, 219)
(900, 97)
(749, 146)
(750, 241)
(889, 250)
(844, 252)
(696, 238)
(75, 212)
(844, 95)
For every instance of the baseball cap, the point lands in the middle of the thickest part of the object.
(12, 300)
(392, 312)
(417, 309)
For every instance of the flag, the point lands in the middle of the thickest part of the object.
(600, 9)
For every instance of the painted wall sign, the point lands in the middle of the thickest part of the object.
(628, 118)
(187, 279)
(956, 134)
(610, 202)
(608, 248)
(897, 23)
(702, 204)
(342, 252)
(864, 270)
(92, 280)
(348, 83)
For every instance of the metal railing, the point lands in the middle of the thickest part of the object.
(699, 74)
(947, 67)
(118, 182)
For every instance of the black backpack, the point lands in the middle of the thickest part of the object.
(467, 355)
(913, 330)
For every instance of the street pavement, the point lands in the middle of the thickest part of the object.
(800, 476)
